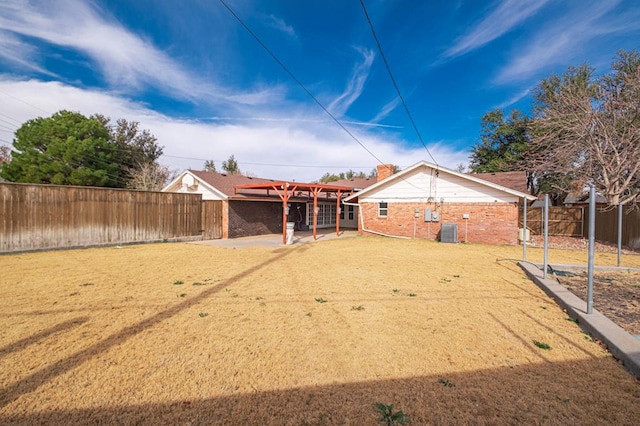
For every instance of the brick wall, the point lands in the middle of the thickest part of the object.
(248, 218)
(490, 223)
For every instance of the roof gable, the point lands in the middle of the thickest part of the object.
(462, 179)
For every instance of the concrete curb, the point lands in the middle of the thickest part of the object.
(583, 268)
(622, 345)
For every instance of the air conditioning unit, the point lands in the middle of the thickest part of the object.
(449, 233)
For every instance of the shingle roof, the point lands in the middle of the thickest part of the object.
(355, 183)
(512, 180)
(225, 182)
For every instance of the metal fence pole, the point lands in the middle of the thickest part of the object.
(545, 225)
(592, 232)
(524, 231)
(619, 233)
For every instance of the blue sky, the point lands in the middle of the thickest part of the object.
(190, 73)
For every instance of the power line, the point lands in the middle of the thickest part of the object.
(284, 67)
(393, 80)
(25, 102)
(17, 122)
(270, 164)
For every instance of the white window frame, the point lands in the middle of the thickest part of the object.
(383, 211)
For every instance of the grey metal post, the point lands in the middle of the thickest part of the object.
(592, 237)
(546, 236)
(619, 233)
(524, 231)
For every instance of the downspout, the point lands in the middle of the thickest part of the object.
(369, 230)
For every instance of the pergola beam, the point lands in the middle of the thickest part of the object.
(283, 190)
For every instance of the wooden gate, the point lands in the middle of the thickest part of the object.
(211, 220)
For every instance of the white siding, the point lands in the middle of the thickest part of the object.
(199, 189)
(422, 184)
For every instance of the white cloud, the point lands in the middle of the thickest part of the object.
(280, 25)
(515, 98)
(386, 110)
(354, 88)
(283, 147)
(125, 59)
(20, 54)
(503, 19)
(559, 42)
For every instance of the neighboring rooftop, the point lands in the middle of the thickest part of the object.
(355, 183)
(225, 182)
(512, 180)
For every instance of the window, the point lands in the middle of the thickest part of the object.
(382, 209)
(350, 212)
(326, 214)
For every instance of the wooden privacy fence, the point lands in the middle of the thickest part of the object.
(607, 226)
(574, 222)
(211, 220)
(565, 221)
(36, 217)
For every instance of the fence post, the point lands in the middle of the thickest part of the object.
(546, 236)
(592, 232)
(524, 231)
(619, 233)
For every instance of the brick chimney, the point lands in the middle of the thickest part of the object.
(384, 171)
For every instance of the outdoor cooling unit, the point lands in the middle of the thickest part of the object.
(449, 233)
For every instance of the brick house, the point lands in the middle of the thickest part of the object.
(428, 201)
(248, 212)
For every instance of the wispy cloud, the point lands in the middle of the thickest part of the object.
(386, 110)
(280, 25)
(356, 83)
(126, 60)
(20, 54)
(515, 98)
(565, 38)
(307, 147)
(503, 19)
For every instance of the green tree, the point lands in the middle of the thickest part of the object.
(587, 129)
(349, 174)
(210, 166)
(65, 149)
(134, 148)
(231, 166)
(503, 141)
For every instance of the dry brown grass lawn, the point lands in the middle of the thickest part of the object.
(443, 332)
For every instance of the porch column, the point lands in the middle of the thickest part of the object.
(338, 214)
(285, 198)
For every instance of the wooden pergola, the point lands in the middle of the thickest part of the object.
(286, 190)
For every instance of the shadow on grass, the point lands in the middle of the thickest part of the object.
(541, 393)
(23, 343)
(39, 378)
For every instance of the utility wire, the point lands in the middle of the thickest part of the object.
(393, 80)
(24, 102)
(284, 67)
(271, 164)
